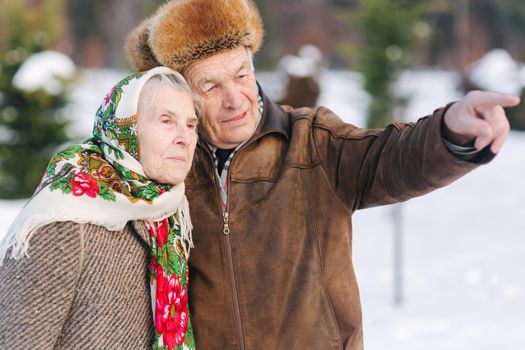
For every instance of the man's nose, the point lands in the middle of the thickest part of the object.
(231, 96)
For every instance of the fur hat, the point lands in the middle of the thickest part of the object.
(138, 50)
(183, 31)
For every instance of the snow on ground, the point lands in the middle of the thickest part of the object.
(464, 245)
(464, 249)
(427, 90)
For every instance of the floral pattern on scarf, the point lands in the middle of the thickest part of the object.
(169, 286)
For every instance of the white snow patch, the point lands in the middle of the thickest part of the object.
(44, 70)
(498, 71)
(426, 91)
(86, 95)
(297, 66)
(307, 63)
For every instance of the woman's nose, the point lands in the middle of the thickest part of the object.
(184, 135)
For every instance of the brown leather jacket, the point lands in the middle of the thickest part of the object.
(283, 277)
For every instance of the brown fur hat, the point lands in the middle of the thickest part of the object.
(138, 50)
(184, 31)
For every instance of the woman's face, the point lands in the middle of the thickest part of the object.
(167, 134)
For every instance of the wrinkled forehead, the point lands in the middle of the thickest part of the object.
(218, 66)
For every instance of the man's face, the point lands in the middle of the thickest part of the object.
(226, 84)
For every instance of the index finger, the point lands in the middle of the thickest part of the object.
(491, 99)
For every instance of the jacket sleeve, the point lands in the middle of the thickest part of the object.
(371, 167)
(36, 292)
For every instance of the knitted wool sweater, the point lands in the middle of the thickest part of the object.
(82, 287)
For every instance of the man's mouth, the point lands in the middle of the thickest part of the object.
(236, 118)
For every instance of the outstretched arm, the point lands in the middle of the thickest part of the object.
(369, 167)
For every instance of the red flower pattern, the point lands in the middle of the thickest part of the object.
(162, 230)
(171, 309)
(83, 184)
(153, 264)
(109, 95)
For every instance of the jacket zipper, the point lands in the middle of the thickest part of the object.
(226, 228)
(233, 284)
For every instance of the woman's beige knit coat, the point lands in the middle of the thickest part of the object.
(82, 287)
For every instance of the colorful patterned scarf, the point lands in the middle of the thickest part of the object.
(102, 182)
(169, 277)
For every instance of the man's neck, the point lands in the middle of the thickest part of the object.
(222, 156)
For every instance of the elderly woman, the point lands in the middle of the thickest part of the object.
(108, 226)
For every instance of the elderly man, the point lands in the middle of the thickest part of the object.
(273, 188)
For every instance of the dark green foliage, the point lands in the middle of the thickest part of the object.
(516, 115)
(267, 57)
(387, 29)
(31, 125)
(510, 15)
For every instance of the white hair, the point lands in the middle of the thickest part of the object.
(152, 86)
(250, 56)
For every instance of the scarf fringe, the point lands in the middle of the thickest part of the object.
(30, 219)
(185, 226)
(19, 241)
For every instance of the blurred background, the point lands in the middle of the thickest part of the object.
(444, 271)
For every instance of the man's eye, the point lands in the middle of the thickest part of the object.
(165, 120)
(210, 89)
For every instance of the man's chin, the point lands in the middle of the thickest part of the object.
(233, 139)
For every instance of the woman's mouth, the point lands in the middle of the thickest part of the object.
(178, 159)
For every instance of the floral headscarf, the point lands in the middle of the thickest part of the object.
(102, 182)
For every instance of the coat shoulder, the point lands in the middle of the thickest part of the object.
(322, 118)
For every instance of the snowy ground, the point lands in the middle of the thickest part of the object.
(464, 245)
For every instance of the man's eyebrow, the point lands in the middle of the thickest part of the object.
(244, 65)
(206, 80)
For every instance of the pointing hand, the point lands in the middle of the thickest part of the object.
(479, 116)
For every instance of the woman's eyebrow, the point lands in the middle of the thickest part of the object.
(168, 112)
